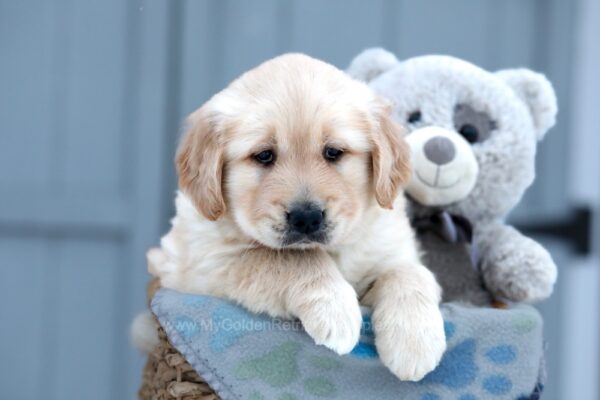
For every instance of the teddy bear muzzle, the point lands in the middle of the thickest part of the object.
(444, 166)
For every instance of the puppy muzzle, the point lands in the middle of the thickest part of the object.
(306, 223)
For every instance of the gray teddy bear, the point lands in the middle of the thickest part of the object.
(473, 136)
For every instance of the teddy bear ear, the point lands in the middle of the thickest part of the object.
(371, 63)
(537, 93)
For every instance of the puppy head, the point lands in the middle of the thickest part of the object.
(295, 152)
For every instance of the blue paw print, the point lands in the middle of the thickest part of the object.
(364, 350)
(458, 368)
(449, 329)
(497, 384)
(365, 347)
(501, 355)
(230, 323)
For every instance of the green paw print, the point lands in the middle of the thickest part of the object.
(278, 367)
(325, 362)
(320, 387)
(524, 323)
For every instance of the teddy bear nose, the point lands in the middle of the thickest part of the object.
(439, 150)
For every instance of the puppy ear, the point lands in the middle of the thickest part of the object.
(371, 63)
(390, 157)
(200, 163)
(537, 93)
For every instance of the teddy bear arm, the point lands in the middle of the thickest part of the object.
(514, 266)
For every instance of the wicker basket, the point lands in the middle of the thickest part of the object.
(167, 375)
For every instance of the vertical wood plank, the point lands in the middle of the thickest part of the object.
(250, 34)
(151, 196)
(441, 27)
(95, 90)
(222, 39)
(511, 33)
(200, 47)
(26, 74)
(88, 272)
(22, 273)
(337, 30)
(554, 39)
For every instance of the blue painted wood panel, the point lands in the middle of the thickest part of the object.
(336, 31)
(26, 72)
(87, 304)
(458, 28)
(82, 128)
(24, 277)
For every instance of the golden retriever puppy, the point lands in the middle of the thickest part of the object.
(289, 181)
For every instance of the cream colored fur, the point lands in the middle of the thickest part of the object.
(226, 237)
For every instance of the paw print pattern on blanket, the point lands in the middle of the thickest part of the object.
(492, 354)
(279, 368)
(365, 348)
(458, 369)
(230, 323)
(320, 387)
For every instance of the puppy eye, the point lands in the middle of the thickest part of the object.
(469, 132)
(332, 154)
(265, 157)
(414, 116)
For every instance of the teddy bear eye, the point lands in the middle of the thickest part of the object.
(414, 116)
(475, 126)
(469, 132)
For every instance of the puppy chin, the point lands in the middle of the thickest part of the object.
(304, 246)
(287, 244)
(292, 242)
(295, 241)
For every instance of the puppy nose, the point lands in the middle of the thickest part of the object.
(439, 150)
(305, 218)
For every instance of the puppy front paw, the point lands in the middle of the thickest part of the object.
(332, 317)
(410, 341)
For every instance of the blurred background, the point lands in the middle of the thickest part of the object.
(92, 96)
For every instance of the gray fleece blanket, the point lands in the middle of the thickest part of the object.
(492, 354)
